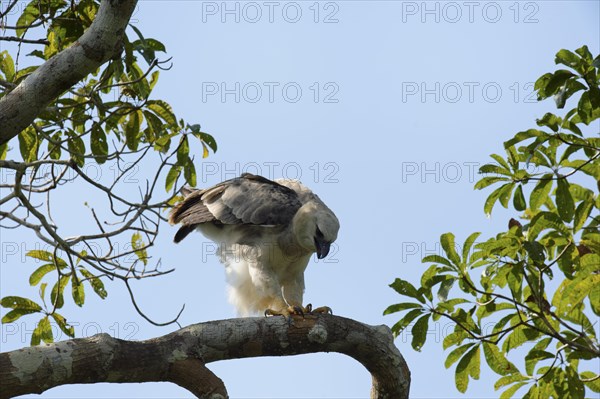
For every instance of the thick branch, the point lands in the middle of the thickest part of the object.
(102, 41)
(180, 357)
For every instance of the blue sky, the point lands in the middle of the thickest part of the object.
(386, 109)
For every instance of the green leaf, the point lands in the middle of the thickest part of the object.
(489, 180)
(62, 324)
(77, 292)
(17, 302)
(56, 295)
(550, 120)
(491, 308)
(582, 212)
(495, 169)
(132, 130)
(43, 332)
(437, 259)
(564, 201)
(172, 176)
(467, 366)
(456, 354)
(511, 391)
(419, 332)
(445, 289)
(189, 172)
(155, 124)
(96, 283)
(568, 58)
(540, 193)
(7, 66)
(447, 241)
(588, 107)
(521, 136)
(584, 52)
(76, 148)
(208, 139)
(509, 379)
(427, 278)
(543, 221)
(468, 244)
(42, 292)
(99, 145)
(501, 161)
(533, 357)
(593, 382)
(557, 80)
(15, 314)
(492, 198)
(496, 360)
(398, 307)
(576, 388)
(46, 256)
(407, 289)
(454, 338)
(518, 337)
(40, 272)
(519, 199)
(28, 144)
(541, 345)
(54, 149)
(405, 321)
(138, 245)
(540, 85)
(577, 290)
(505, 194)
(449, 305)
(29, 15)
(3, 150)
(163, 110)
(183, 152)
(535, 250)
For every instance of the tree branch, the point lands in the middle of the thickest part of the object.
(102, 41)
(180, 357)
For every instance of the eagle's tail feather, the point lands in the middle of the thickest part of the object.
(183, 232)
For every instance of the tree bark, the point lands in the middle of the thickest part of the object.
(102, 41)
(180, 357)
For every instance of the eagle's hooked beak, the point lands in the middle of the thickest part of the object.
(322, 247)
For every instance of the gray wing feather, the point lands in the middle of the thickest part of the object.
(248, 199)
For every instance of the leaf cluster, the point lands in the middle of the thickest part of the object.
(536, 286)
(73, 275)
(110, 115)
(113, 104)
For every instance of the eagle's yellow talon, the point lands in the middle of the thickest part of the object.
(287, 312)
(322, 309)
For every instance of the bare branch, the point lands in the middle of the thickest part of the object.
(21, 40)
(180, 357)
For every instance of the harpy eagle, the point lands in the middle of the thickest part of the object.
(266, 232)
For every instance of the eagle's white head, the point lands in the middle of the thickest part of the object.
(315, 227)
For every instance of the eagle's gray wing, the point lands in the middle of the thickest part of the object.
(248, 199)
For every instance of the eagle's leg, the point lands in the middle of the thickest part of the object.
(298, 311)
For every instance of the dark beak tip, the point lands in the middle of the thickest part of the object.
(322, 248)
